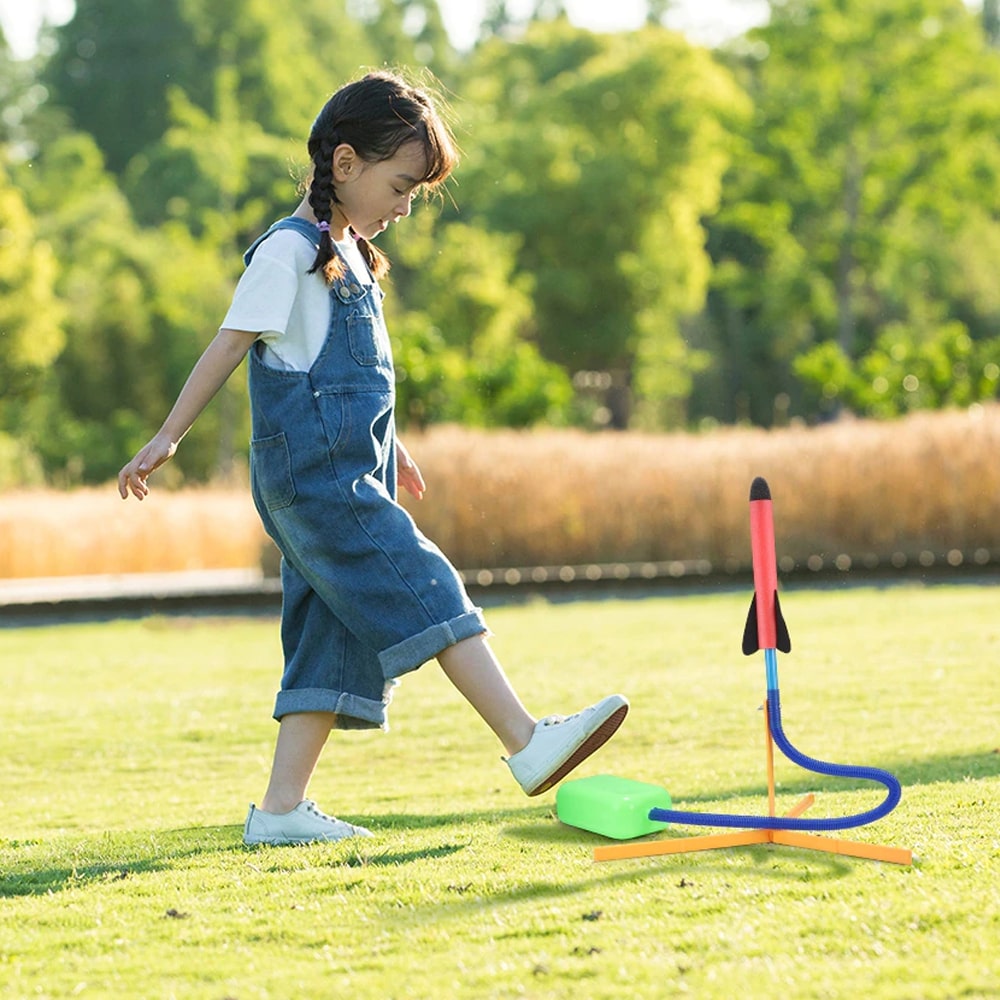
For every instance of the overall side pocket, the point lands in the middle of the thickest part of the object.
(271, 471)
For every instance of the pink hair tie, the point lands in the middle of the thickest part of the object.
(323, 227)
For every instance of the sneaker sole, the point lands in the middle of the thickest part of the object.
(592, 743)
(297, 842)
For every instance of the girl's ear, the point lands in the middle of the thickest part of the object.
(345, 163)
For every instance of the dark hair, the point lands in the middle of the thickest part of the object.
(376, 115)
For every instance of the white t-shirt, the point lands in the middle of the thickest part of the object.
(290, 308)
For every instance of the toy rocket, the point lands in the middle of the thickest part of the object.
(765, 628)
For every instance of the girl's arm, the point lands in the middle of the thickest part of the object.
(216, 364)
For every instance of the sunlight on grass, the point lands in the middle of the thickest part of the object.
(128, 752)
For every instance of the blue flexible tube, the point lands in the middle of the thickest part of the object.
(809, 763)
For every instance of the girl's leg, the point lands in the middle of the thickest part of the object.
(541, 753)
(301, 738)
(474, 669)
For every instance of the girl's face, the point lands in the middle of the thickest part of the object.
(372, 195)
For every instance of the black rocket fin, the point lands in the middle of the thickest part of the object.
(751, 637)
(782, 638)
(751, 643)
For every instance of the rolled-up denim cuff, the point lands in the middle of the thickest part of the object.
(352, 711)
(418, 649)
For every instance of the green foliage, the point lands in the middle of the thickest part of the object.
(135, 303)
(110, 68)
(218, 173)
(628, 142)
(21, 96)
(862, 164)
(461, 349)
(902, 372)
(19, 465)
(407, 33)
(106, 320)
(117, 62)
(501, 384)
(31, 336)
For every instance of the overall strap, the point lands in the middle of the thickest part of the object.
(301, 226)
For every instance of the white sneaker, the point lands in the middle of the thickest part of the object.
(303, 825)
(560, 743)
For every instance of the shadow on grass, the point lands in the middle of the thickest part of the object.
(47, 867)
(674, 873)
(390, 822)
(359, 857)
(910, 773)
(39, 867)
(959, 767)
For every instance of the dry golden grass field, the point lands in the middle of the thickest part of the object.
(922, 490)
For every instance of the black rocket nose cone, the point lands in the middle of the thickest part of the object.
(759, 490)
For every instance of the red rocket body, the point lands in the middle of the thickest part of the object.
(765, 628)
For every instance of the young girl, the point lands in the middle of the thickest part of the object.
(366, 597)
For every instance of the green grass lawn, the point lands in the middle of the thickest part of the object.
(129, 752)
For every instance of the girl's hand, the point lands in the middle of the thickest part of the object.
(216, 364)
(407, 473)
(134, 475)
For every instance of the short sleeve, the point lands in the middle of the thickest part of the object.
(266, 291)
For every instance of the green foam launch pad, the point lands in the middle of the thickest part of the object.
(613, 807)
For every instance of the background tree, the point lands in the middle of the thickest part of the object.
(111, 68)
(864, 170)
(136, 303)
(408, 33)
(497, 20)
(217, 172)
(117, 63)
(991, 21)
(901, 372)
(602, 153)
(458, 311)
(31, 334)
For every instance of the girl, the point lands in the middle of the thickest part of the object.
(365, 596)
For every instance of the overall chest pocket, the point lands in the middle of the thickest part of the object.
(366, 339)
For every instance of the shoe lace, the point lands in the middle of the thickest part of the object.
(316, 811)
(556, 720)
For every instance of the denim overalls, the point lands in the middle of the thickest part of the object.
(366, 597)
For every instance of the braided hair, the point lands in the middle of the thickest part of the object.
(376, 115)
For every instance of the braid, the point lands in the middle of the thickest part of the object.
(377, 260)
(321, 199)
